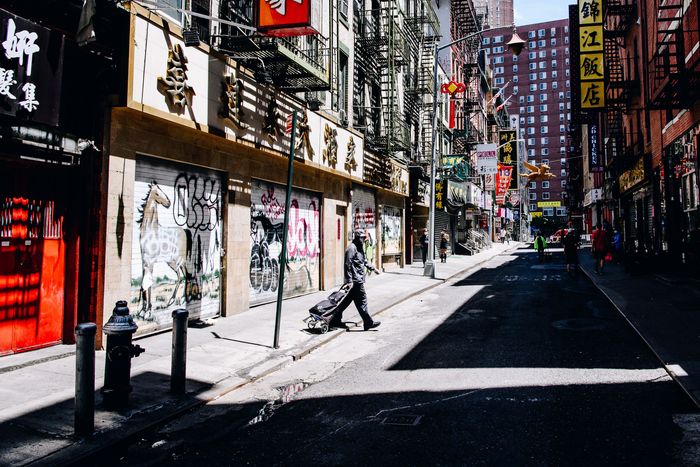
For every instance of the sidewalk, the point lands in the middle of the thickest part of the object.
(665, 312)
(36, 395)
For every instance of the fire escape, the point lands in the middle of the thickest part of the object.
(425, 28)
(674, 78)
(619, 88)
(383, 47)
(292, 64)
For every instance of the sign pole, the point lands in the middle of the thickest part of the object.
(285, 226)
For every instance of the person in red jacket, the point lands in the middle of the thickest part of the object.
(599, 247)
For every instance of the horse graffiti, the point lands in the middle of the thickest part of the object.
(303, 242)
(176, 253)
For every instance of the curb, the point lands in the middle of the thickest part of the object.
(79, 452)
(668, 370)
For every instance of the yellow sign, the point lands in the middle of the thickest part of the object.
(536, 214)
(633, 176)
(592, 95)
(549, 204)
(591, 66)
(590, 12)
(591, 38)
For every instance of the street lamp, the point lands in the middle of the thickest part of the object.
(515, 45)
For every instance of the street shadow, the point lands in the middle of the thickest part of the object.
(217, 336)
(528, 314)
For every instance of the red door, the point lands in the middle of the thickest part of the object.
(32, 274)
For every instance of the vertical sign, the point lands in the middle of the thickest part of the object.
(440, 187)
(508, 154)
(486, 159)
(594, 162)
(591, 59)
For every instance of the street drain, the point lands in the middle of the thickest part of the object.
(580, 324)
(402, 420)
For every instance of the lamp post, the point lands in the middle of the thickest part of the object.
(515, 45)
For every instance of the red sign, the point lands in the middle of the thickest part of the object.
(503, 183)
(287, 17)
(288, 124)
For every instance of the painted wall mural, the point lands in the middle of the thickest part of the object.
(176, 249)
(364, 217)
(303, 242)
(391, 230)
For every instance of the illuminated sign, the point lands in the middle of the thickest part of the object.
(591, 60)
(289, 17)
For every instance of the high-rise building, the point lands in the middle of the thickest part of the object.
(498, 13)
(538, 84)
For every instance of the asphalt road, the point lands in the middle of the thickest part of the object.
(516, 364)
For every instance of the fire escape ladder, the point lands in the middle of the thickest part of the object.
(616, 97)
(668, 61)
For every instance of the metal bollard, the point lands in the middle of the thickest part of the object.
(178, 364)
(84, 420)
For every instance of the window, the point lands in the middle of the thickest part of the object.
(554, 63)
(542, 43)
(543, 65)
(568, 105)
(562, 139)
(544, 141)
(553, 42)
(498, 50)
(562, 150)
(533, 196)
(561, 106)
(532, 55)
(553, 32)
(544, 130)
(515, 90)
(530, 98)
(562, 161)
(499, 70)
(522, 120)
(522, 110)
(543, 97)
(561, 95)
(521, 100)
(533, 76)
(566, 51)
(561, 116)
(533, 185)
(563, 183)
(172, 14)
(548, 212)
(515, 68)
(531, 131)
(554, 53)
(500, 59)
(541, 33)
(543, 86)
(555, 85)
(530, 109)
(543, 75)
(530, 153)
(533, 207)
(567, 72)
(533, 87)
(545, 195)
(543, 54)
(545, 161)
(543, 107)
(515, 79)
(532, 66)
(566, 39)
(561, 212)
(498, 39)
(545, 184)
(532, 44)
(545, 151)
(515, 58)
(531, 141)
(563, 172)
(568, 116)
(544, 118)
(531, 34)
(566, 29)
(344, 9)
(568, 84)
(562, 128)
(343, 82)
(499, 81)
(486, 41)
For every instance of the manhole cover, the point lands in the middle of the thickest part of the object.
(579, 324)
(403, 420)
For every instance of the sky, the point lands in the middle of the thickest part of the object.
(538, 11)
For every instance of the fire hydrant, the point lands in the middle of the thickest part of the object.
(119, 329)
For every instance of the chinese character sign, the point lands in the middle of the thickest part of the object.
(486, 159)
(440, 189)
(591, 60)
(508, 153)
(31, 63)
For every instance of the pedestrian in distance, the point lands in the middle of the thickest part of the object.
(444, 240)
(508, 237)
(617, 246)
(424, 242)
(571, 243)
(540, 245)
(355, 265)
(502, 234)
(599, 246)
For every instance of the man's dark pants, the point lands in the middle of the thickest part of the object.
(359, 296)
(424, 252)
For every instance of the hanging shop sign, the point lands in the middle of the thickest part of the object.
(451, 161)
(457, 193)
(285, 18)
(31, 68)
(591, 57)
(508, 154)
(398, 178)
(592, 196)
(486, 159)
(440, 194)
(632, 177)
(535, 214)
(503, 177)
(490, 181)
(549, 204)
(595, 163)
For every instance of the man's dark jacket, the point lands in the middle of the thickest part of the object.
(355, 264)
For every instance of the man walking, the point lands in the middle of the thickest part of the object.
(540, 245)
(355, 265)
(599, 246)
